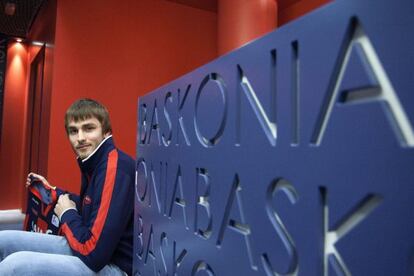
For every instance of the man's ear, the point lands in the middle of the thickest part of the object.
(107, 134)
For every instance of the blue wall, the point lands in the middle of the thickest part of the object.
(292, 155)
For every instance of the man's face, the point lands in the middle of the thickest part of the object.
(85, 136)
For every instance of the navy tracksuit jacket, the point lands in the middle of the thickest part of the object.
(101, 230)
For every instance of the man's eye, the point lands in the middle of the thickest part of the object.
(72, 131)
(90, 128)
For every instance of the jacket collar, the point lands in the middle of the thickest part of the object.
(88, 164)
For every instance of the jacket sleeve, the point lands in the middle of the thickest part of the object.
(95, 241)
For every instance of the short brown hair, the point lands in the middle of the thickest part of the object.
(84, 109)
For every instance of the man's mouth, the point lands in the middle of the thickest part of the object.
(82, 147)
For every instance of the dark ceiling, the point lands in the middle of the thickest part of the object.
(16, 16)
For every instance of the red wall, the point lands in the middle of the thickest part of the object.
(13, 147)
(13, 132)
(115, 51)
(298, 8)
(241, 21)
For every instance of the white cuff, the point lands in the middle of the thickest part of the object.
(70, 208)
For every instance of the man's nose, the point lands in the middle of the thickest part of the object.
(81, 135)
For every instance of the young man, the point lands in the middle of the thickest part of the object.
(97, 224)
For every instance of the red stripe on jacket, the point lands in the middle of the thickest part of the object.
(89, 245)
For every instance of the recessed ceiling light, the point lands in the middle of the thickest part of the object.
(10, 8)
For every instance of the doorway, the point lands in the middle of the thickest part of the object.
(36, 117)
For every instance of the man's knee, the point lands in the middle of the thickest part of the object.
(5, 237)
(18, 263)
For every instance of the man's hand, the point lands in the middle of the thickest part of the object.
(63, 204)
(37, 177)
